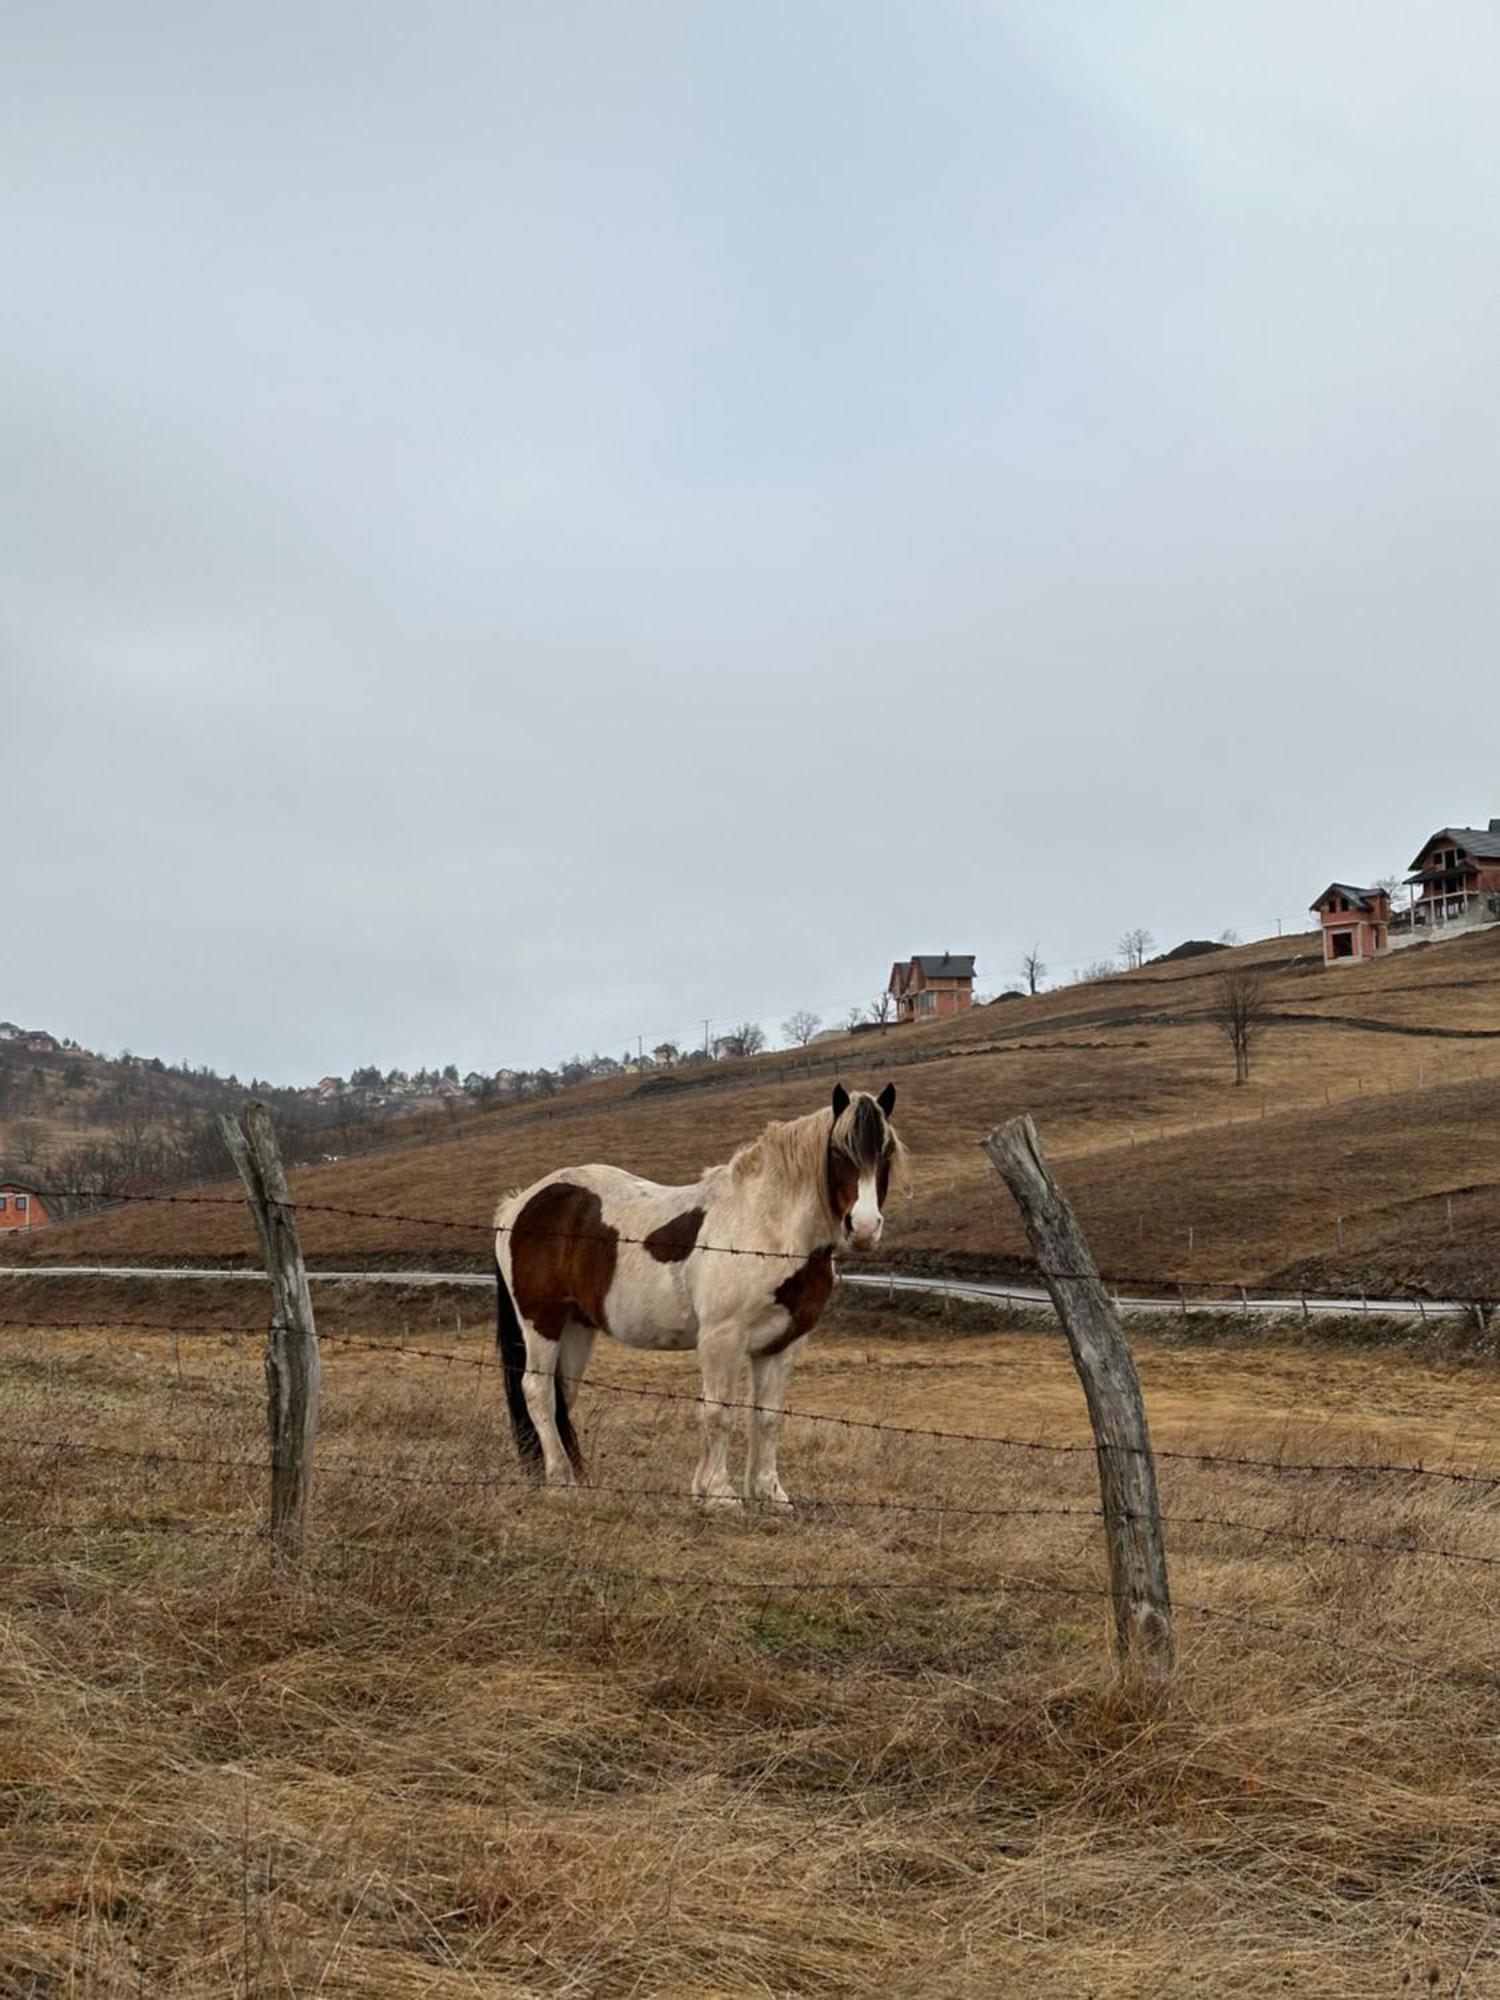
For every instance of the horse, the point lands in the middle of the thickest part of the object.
(739, 1265)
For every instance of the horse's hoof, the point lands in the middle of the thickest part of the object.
(720, 1500)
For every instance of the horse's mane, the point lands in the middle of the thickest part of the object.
(792, 1153)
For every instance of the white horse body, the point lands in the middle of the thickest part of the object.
(738, 1265)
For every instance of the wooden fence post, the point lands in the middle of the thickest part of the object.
(293, 1369)
(1122, 1438)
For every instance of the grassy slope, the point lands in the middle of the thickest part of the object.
(1360, 1107)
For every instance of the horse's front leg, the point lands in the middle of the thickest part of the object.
(721, 1355)
(769, 1376)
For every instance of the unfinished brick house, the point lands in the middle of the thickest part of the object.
(929, 986)
(1457, 878)
(1356, 922)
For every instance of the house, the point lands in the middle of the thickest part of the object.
(1455, 879)
(22, 1204)
(932, 985)
(1356, 922)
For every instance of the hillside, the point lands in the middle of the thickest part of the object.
(126, 1123)
(1372, 1115)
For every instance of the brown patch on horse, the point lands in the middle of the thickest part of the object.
(804, 1295)
(843, 1182)
(674, 1240)
(562, 1259)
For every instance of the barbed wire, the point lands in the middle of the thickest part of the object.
(1382, 1468)
(1034, 1275)
(997, 1584)
(832, 1502)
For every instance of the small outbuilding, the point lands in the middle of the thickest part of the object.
(1356, 922)
(23, 1205)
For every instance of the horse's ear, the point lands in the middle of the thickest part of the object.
(887, 1099)
(840, 1100)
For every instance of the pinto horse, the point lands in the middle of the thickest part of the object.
(738, 1265)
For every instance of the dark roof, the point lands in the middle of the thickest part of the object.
(23, 1184)
(1482, 842)
(1360, 898)
(944, 965)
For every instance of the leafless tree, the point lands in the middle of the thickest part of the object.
(748, 1039)
(1240, 1010)
(1101, 968)
(881, 1008)
(26, 1140)
(1134, 946)
(1033, 970)
(801, 1026)
(667, 1053)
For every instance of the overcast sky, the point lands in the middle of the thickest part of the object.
(525, 524)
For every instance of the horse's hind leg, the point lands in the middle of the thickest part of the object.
(573, 1353)
(543, 1392)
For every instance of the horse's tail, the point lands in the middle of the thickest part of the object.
(510, 1343)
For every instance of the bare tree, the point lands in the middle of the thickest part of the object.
(881, 1008)
(667, 1053)
(1134, 946)
(1033, 970)
(27, 1138)
(748, 1039)
(801, 1026)
(1240, 1010)
(1100, 968)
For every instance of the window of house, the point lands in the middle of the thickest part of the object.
(21, 1204)
(1343, 944)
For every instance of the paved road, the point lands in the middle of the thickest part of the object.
(1033, 1295)
(957, 1288)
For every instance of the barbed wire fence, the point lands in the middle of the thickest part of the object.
(1251, 1538)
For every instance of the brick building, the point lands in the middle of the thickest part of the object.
(1356, 922)
(22, 1205)
(930, 986)
(1456, 877)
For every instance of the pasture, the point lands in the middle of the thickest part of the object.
(495, 1742)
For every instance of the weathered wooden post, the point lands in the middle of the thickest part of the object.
(293, 1369)
(1122, 1438)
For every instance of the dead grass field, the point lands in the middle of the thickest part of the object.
(1356, 1109)
(495, 1743)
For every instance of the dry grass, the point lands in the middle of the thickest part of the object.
(486, 1758)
